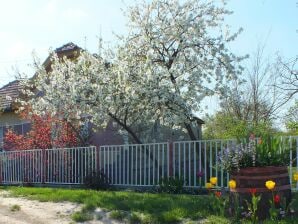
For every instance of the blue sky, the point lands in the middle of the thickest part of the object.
(38, 25)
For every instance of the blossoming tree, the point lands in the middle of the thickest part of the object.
(174, 55)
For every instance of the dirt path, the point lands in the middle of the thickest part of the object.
(35, 212)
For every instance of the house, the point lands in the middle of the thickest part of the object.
(9, 119)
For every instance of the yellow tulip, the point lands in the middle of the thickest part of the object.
(213, 180)
(208, 185)
(270, 184)
(295, 176)
(232, 184)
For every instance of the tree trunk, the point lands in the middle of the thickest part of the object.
(135, 138)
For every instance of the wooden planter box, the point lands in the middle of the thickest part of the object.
(255, 177)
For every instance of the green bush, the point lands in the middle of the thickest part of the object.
(97, 180)
(171, 185)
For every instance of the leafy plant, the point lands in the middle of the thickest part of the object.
(253, 206)
(272, 151)
(172, 185)
(97, 180)
(263, 151)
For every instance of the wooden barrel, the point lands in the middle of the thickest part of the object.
(256, 177)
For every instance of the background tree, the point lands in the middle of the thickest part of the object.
(291, 119)
(173, 57)
(252, 105)
(287, 72)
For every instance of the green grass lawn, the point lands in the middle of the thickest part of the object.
(152, 208)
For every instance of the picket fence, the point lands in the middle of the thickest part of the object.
(125, 165)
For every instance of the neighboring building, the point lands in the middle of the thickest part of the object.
(9, 119)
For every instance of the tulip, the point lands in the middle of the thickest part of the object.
(213, 180)
(253, 191)
(295, 177)
(232, 184)
(208, 185)
(276, 199)
(217, 194)
(270, 184)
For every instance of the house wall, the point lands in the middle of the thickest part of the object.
(9, 118)
(107, 136)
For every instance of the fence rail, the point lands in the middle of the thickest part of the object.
(126, 165)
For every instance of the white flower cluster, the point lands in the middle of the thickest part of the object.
(173, 57)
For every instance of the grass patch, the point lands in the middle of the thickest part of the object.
(116, 214)
(135, 218)
(147, 207)
(81, 216)
(164, 208)
(15, 208)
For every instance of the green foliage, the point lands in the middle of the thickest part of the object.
(291, 119)
(134, 218)
(171, 185)
(224, 126)
(253, 207)
(97, 180)
(273, 151)
(116, 214)
(264, 151)
(81, 216)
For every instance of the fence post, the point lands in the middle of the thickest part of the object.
(171, 158)
(97, 155)
(1, 162)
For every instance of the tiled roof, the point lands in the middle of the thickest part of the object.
(67, 47)
(8, 94)
(11, 91)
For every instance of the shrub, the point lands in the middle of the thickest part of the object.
(81, 216)
(172, 185)
(97, 180)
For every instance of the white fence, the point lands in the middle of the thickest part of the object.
(50, 166)
(127, 165)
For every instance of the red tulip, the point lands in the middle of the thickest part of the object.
(218, 194)
(276, 199)
(252, 191)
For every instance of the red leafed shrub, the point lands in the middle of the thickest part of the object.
(46, 132)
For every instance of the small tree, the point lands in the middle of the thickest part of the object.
(41, 135)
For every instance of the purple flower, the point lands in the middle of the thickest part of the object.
(200, 174)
